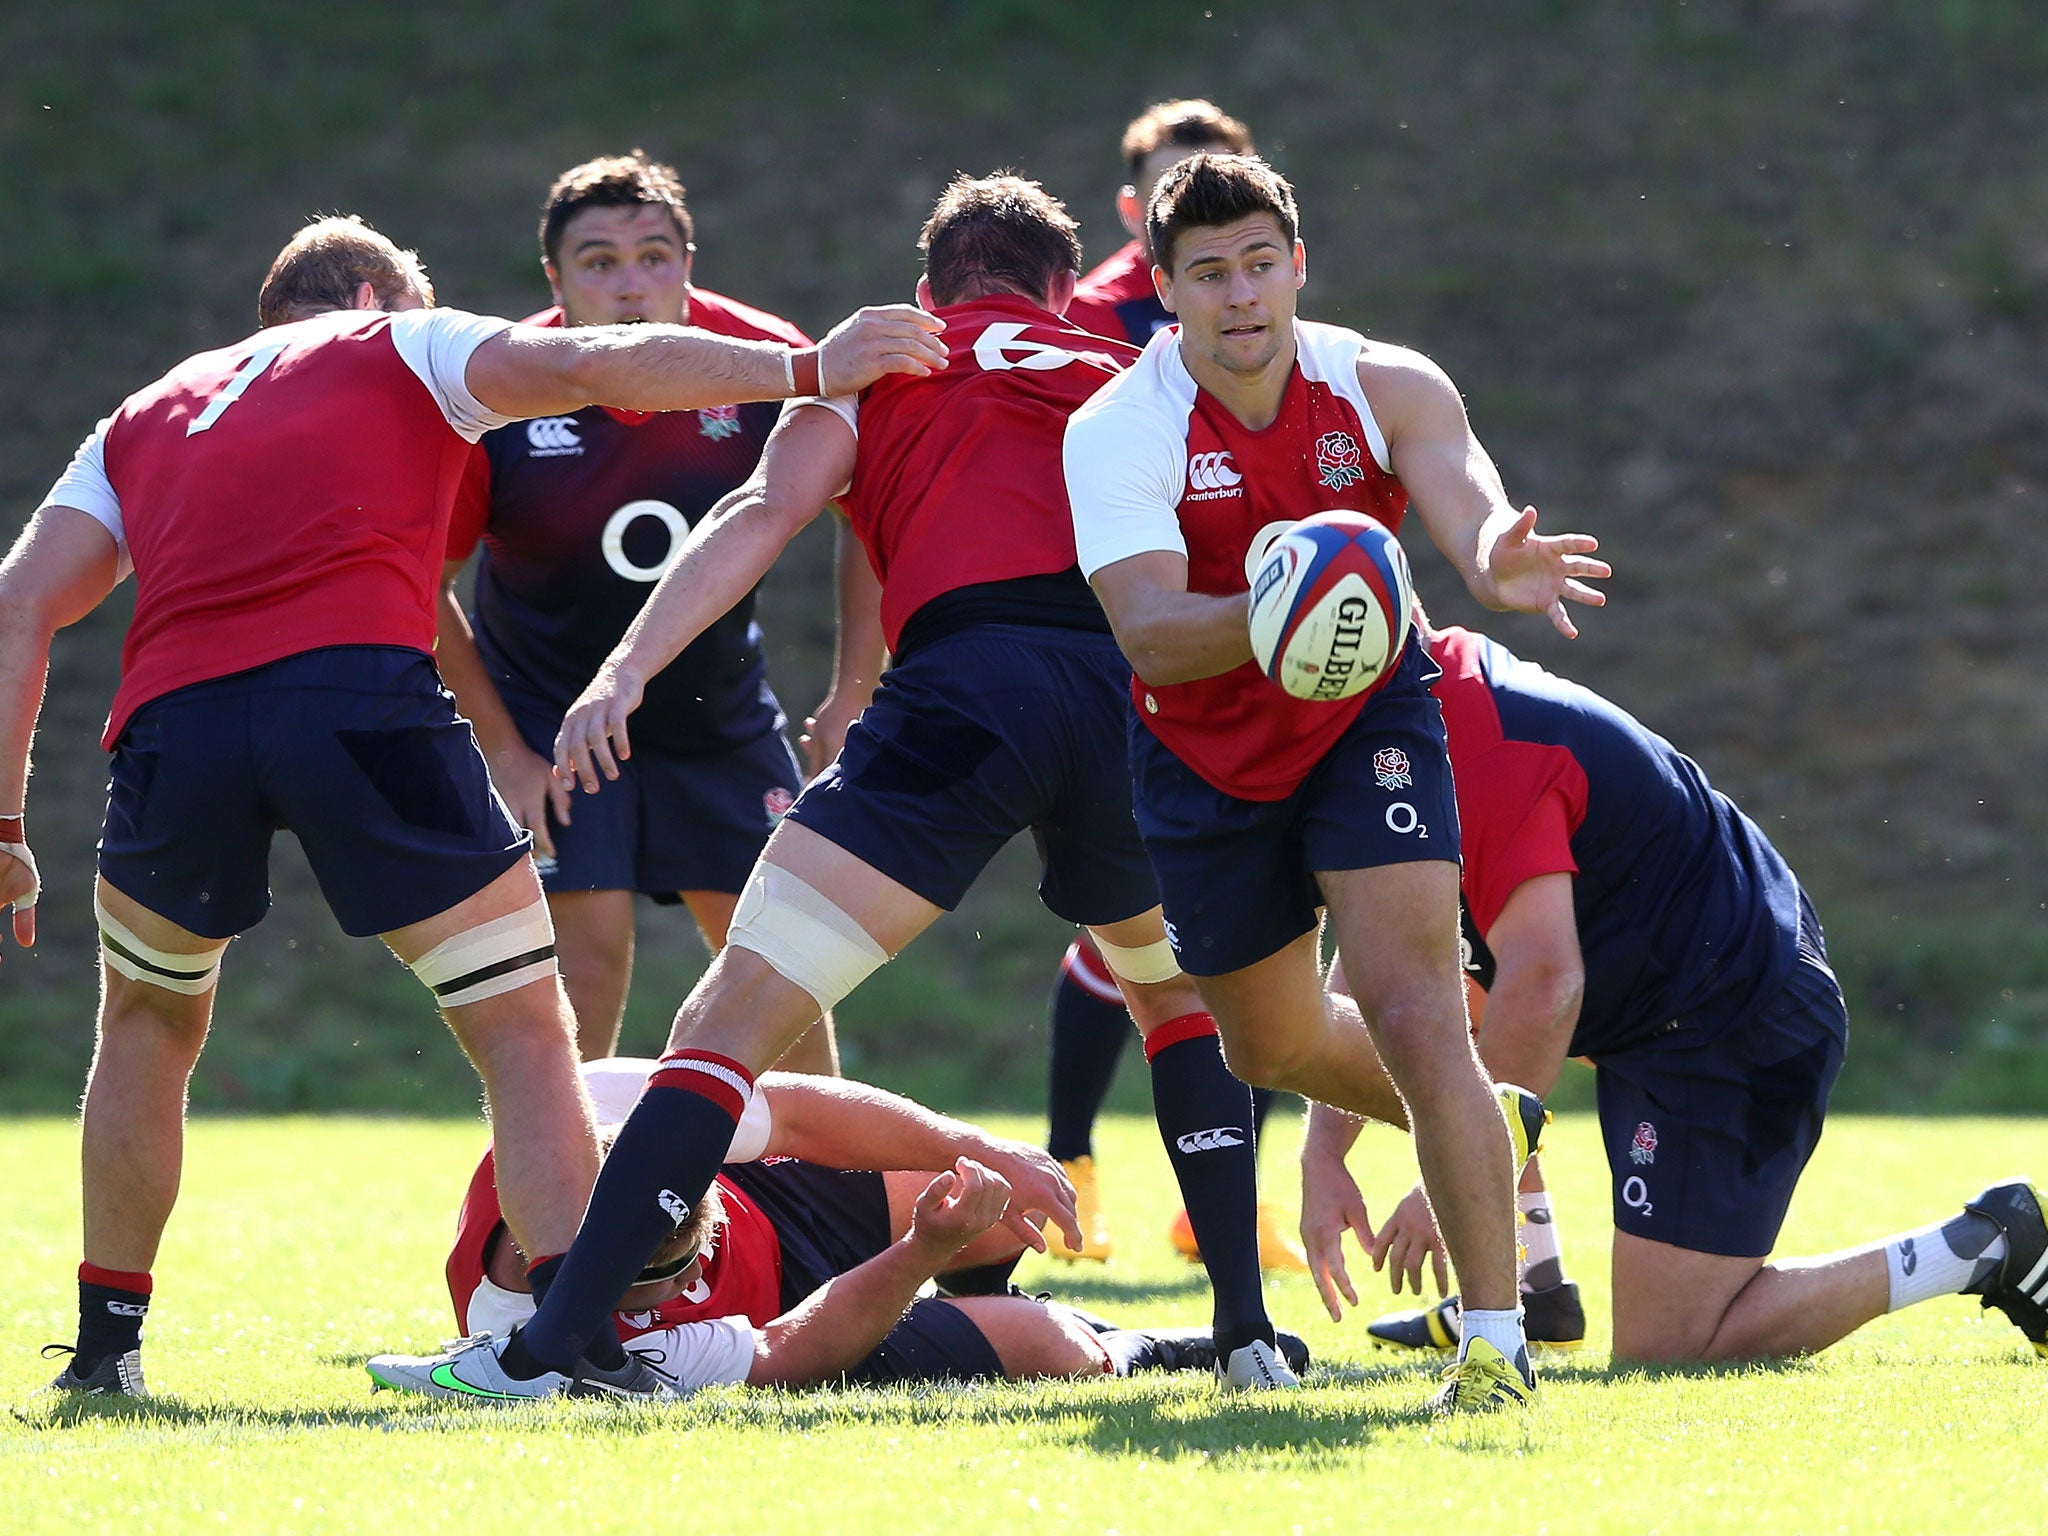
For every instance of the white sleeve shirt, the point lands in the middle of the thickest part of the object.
(1126, 460)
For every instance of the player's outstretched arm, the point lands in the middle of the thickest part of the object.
(841, 1322)
(1167, 633)
(60, 569)
(1539, 982)
(545, 371)
(844, 1124)
(807, 461)
(1330, 1203)
(1455, 489)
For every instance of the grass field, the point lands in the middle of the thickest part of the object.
(303, 1245)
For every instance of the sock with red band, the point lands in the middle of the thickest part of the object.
(666, 1155)
(112, 1304)
(1205, 1119)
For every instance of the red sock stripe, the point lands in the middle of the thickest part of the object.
(1085, 964)
(533, 1264)
(718, 1078)
(114, 1279)
(1189, 1026)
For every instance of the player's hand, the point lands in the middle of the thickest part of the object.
(1407, 1238)
(824, 734)
(881, 339)
(1528, 572)
(1331, 1206)
(593, 737)
(1039, 1190)
(957, 1207)
(526, 782)
(19, 887)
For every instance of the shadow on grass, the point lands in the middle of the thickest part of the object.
(1087, 1288)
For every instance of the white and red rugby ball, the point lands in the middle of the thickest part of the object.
(1332, 605)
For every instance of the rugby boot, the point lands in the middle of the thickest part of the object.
(1094, 1221)
(1255, 1367)
(1526, 1118)
(1553, 1318)
(1194, 1349)
(1277, 1250)
(1485, 1380)
(472, 1370)
(2018, 1287)
(114, 1376)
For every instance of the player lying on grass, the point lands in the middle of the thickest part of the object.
(792, 1270)
(283, 503)
(1623, 910)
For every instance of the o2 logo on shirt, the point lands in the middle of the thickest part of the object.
(613, 540)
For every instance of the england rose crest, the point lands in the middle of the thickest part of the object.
(1337, 460)
(777, 803)
(1644, 1148)
(1390, 768)
(719, 421)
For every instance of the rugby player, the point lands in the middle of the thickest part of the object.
(783, 1273)
(1258, 809)
(283, 503)
(1623, 910)
(1089, 1022)
(1000, 712)
(578, 515)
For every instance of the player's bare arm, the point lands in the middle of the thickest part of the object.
(807, 462)
(1169, 634)
(543, 371)
(60, 569)
(1456, 491)
(858, 656)
(842, 1124)
(1539, 981)
(523, 777)
(842, 1321)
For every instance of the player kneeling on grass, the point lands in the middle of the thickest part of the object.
(1623, 910)
(792, 1271)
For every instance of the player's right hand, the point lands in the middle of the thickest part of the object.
(1331, 1205)
(593, 737)
(19, 884)
(1040, 1190)
(958, 1206)
(825, 734)
(881, 339)
(1405, 1240)
(526, 782)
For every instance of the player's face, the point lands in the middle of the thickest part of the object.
(619, 265)
(1232, 289)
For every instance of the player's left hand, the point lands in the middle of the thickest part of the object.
(878, 340)
(957, 1207)
(1039, 1190)
(1331, 1205)
(824, 734)
(19, 883)
(1528, 572)
(593, 736)
(1405, 1239)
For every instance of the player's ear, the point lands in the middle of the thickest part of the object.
(1062, 293)
(1162, 284)
(925, 301)
(1300, 264)
(555, 278)
(1131, 211)
(366, 297)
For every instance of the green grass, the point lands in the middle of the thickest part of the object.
(301, 1245)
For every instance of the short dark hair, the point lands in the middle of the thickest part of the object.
(322, 265)
(1205, 191)
(613, 181)
(997, 233)
(1190, 124)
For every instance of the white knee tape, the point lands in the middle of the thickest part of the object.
(190, 974)
(491, 958)
(1144, 964)
(803, 934)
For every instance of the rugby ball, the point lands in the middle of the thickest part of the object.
(1332, 604)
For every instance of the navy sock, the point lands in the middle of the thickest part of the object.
(666, 1155)
(1089, 1029)
(1205, 1119)
(111, 1307)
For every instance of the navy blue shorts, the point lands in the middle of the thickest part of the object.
(1709, 1125)
(355, 749)
(1238, 877)
(667, 824)
(978, 736)
(829, 1221)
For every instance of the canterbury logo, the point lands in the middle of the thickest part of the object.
(1213, 472)
(126, 1309)
(1211, 1141)
(672, 1203)
(548, 436)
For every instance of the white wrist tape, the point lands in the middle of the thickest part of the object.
(126, 955)
(35, 879)
(1143, 964)
(750, 1136)
(803, 934)
(492, 958)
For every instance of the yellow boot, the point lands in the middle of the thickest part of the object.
(1095, 1243)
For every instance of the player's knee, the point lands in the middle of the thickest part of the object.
(1034, 1340)
(1144, 965)
(1266, 1058)
(803, 935)
(491, 959)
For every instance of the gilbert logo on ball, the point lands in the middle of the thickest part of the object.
(1332, 604)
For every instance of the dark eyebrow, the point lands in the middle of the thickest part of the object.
(1262, 244)
(605, 242)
